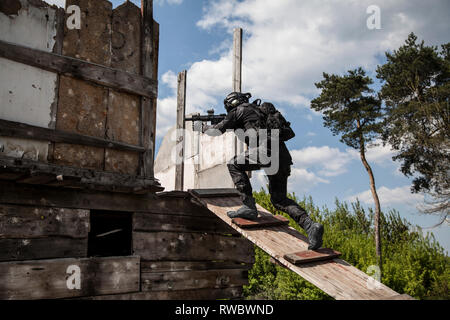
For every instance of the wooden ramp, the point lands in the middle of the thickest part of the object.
(336, 277)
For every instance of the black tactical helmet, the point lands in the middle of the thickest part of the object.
(235, 99)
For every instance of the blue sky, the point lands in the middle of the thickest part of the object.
(287, 46)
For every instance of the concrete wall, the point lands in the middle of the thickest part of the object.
(205, 160)
(27, 93)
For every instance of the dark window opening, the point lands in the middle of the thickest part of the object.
(110, 234)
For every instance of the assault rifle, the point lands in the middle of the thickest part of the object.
(210, 117)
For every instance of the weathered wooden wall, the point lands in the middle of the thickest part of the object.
(58, 92)
(111, 38)
(183, 250)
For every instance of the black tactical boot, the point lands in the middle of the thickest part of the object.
(247, 211)
(315, 233)
(313, 229)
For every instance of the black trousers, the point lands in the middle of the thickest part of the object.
(277, 182)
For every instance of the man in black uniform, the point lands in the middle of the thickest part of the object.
(245, 116)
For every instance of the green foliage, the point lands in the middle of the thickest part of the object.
(349, 108)
(414, 264)
(416, 91)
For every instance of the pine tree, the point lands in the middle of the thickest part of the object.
(351, 110)
(416, 91)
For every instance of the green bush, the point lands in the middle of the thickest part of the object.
(413, 263)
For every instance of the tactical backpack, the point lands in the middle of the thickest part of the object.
(272, 119)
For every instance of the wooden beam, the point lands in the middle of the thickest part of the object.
(152, 222)
(26, 131)
(14, 193)
(181, 114)
(190, 280)
(88, 178)
(213, 193)
(42, 248)
(48, 279)
(26, 222)
(148, 69)
(197, 294)
(177, 246)
(336, 277)
(95, 73)
(171, 266)
(237, 60)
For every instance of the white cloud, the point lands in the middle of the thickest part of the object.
(300, 180)
(387, 196)
(59, 3)
(327, 161)
(289, 43)
(171, 2)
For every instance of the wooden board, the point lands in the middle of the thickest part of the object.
(308, 256)
(42, 248)
(401, 297)
(13, 193)
(47, 279)
(25, 222)
(336, 277)
(191, 247)
(198, 294)
(261, 222)
(88, 178)
(123, 118)
(180, 223)
(171, 266)
(81, 68)
(213, 193)
(188, 280)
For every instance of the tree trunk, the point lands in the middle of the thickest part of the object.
(376, 200)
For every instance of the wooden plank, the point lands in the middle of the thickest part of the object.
(180, 223)
(88, 178)
(13, 193)
(37, 178)
(304, 257)
(401, 297)
(148, 69)
(81, 69)
(188, 280)
(237, 60)
(26, 222)
(181, 125)
(123, 116)
(336, 277)
(26, 131)
(162, 246)
(171, 266)
(47, 279)
(42, 248)
(213, 193)
(198, 294)
(260, 222)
